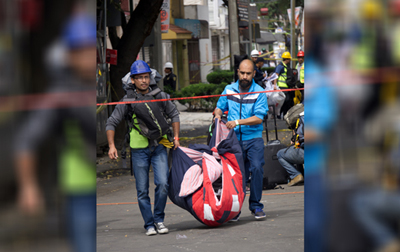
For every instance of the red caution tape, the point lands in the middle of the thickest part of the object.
(196, 97)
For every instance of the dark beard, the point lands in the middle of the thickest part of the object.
(244, 84)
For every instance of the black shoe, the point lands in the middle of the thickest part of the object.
(258, 213)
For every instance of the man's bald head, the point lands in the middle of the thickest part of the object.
(246, 73)
(246, 63)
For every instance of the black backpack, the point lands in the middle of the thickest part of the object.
(151, 120)
(290, 77)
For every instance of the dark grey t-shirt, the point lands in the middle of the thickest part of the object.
(243, 91)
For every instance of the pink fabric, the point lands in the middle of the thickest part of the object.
(192, 154)
(213, 167)
(192, 180)
(221, 132)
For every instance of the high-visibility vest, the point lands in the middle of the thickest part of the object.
(137, 140)
(282, 78)
(301, 73)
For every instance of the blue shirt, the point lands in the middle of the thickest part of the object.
(280, 69)
(242, 108)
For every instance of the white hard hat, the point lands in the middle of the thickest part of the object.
(254, 53)
(168, 65)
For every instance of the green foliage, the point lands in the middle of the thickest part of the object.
(201, 89)
(219, 76)
(277, 8)
(268, 69)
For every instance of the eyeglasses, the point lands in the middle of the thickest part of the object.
(142, 78)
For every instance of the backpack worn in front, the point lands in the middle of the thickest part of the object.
(151, 120)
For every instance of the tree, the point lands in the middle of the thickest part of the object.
(134, 33)
(278, 8)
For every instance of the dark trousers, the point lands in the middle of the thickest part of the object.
(288, 100)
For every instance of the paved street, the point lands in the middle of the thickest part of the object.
(120, 225)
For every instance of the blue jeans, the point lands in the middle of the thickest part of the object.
(289, 156)
(81, 221)
(253, 157)
(141, 160)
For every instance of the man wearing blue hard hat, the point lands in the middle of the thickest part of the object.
(150, 136)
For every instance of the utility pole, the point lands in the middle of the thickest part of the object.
(292, 32)
(233, 31)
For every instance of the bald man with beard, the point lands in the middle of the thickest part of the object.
(246, 114)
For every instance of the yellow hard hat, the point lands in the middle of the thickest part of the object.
(286, 55)
(371, 9)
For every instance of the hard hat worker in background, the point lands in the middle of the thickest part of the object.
(147, 150)
(300, 66)
(300, 73)
(281, 70)
(169, 79)
(254, 55)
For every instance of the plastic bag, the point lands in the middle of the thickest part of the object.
(276, 99)
(268, 81)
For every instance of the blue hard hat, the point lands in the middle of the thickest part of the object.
(80, 31)
(139, 67)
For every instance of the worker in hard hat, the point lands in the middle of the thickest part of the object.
(169, 79)
(254, 55)
(146, 149)
(282, 70)
(300, 74)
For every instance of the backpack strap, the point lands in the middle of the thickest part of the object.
(154, 92)
(132, 95)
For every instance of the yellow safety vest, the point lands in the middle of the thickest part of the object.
(282, 78)
(138, 141)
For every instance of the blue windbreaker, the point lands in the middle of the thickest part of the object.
(250, 105)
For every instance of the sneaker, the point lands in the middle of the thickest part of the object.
(299, 178)
(151, 231)
(258, 213)
(161, 228)
(236, 218)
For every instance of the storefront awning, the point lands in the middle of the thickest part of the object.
(199, 28)
(176, 32)
(266, 38)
